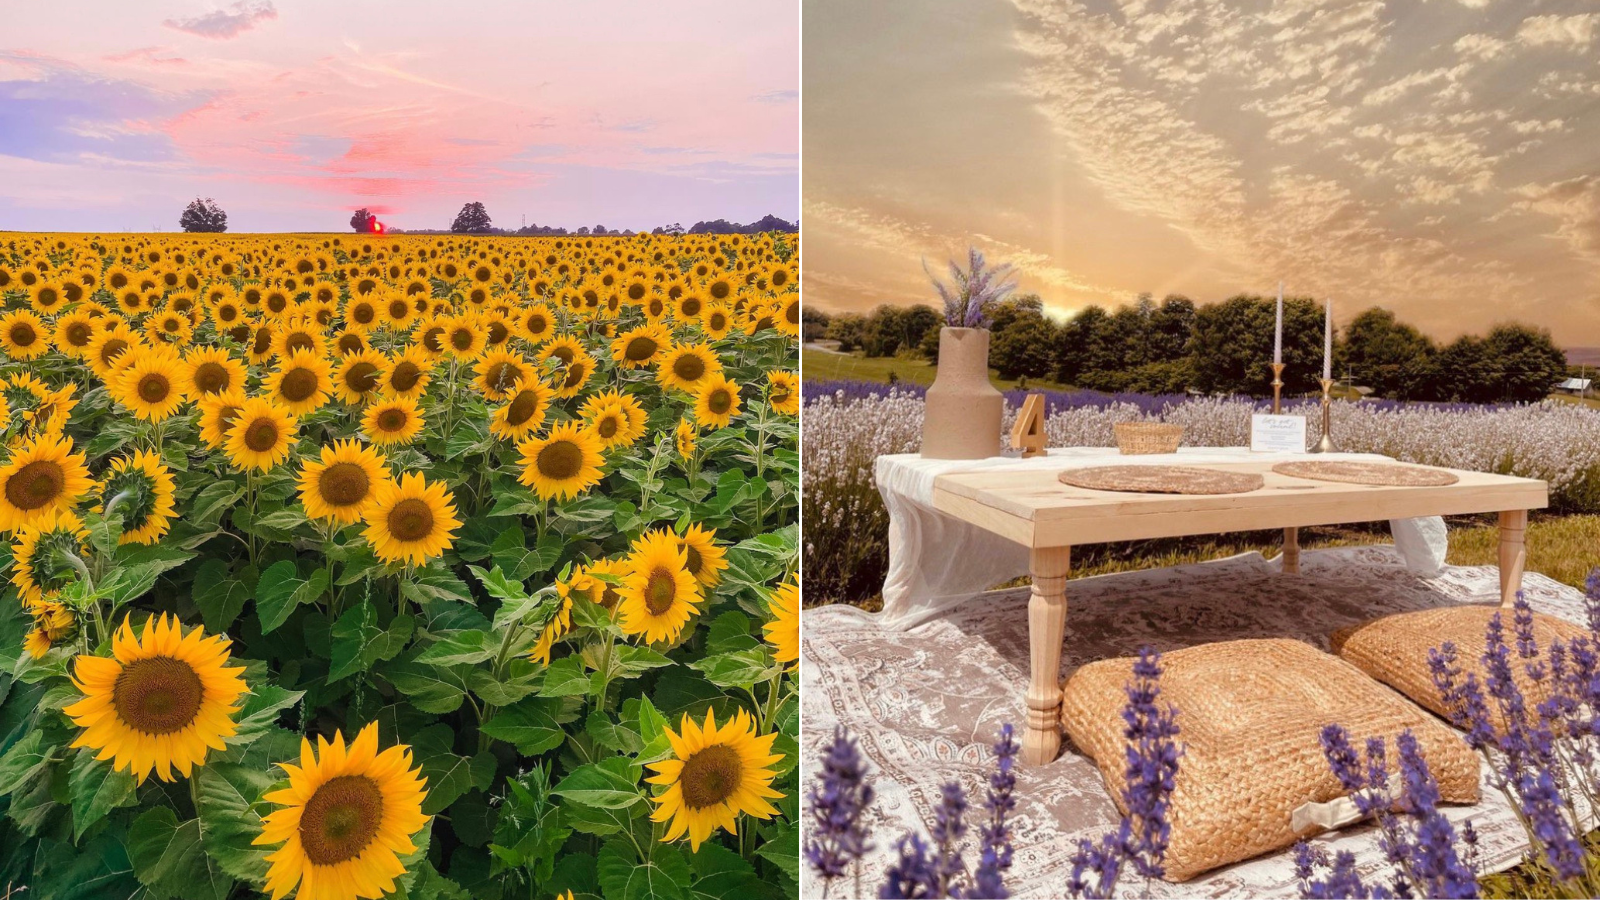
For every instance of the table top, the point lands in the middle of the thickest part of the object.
(1033, 508)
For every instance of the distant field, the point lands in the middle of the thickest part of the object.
(820, 365)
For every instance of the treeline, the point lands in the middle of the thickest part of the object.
(716, 226)
(1225, 348)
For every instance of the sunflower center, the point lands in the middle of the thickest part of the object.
(410, 520)
(392, 419)
(522, 408)
(350, 342)
(111, 349)
(405, 376)
(154, 387)
(692, 559)
(363, 313)
(158, 695)
(23, 335)
(718, 321)
(780, 393)
(361, 377)
(560, 460)
(501, 375)
(79, 333)
(607, 427)
(564, 354)
(298, 385)
(689, 367)
(399, 309)
(710, 776)
(691, 306)
(461, 339)
(262, 435)
(575, 376)
(660, 589)
(640, 349)
(791, 313)
(537, 324)
(341, 819)
(344, 484)
(720, 401)
(35, 484)
(211, 378)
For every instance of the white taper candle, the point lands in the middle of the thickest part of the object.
(1327, 340)
(1277, 333)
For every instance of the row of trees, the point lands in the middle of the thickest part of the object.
(205, 216)
(1177, 345)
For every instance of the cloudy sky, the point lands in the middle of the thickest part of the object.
(1438, 157)
(291, 113)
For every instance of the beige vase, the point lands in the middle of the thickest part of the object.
(963, 413)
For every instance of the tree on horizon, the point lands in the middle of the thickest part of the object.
(473, 219)
(361, 220)
(203, 217)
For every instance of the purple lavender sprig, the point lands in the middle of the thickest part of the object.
(839, 837)
(995, 861)
(1152, 764)
(971, 296)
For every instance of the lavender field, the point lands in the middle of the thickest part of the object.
(848, 424)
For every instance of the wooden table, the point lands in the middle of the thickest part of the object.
(1036, 510)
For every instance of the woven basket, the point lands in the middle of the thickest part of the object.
(1251, 713)
(1139, 438)
(1394, 650)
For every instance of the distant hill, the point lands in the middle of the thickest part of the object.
(1583, 356)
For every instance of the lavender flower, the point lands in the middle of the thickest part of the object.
(839, 838)
(1103, 861)
(1434, 862)
(947, 832)
(971, 296)
(989, 880)
(1152, 764)
(912, 874)
(1541, 807)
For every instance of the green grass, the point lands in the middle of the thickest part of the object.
(819, 365)
(1591, 402)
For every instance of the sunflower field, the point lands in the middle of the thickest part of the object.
(425, 567)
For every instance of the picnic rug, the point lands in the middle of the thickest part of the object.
(926, 703)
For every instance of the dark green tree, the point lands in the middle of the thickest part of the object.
(1025, 347)
(203, 217)
(1530, 362)
(1232, 346)
(474, 219)
(361, 220)
(1392, 358)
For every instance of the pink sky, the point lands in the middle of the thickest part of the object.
(292, 113)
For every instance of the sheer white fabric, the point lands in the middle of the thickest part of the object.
(936, 561)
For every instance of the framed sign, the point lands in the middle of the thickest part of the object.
(1277, 434)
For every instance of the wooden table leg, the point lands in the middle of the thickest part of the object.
(1047, 623)
(1291, 551)
(1513, 554)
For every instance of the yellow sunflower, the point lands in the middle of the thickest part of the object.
(571, 378)
(523, 414)
(562, 464)
(783, 632)
(637, 348)
(685, 437)
(559, 624)
(718, 320)
(631, 420)
(359, 376)
(658, 594)
(463, 339)
(408, 373)
(704, 559)
(499, 371)
(392, 420)
(341, 486)
(74, 331)
(347, 817)
(715, 775)
(783, 392)
(142, 488)
(537, 323)
(148, 385)
(42, 566)
(301, 382)
(52, 622)
(217, 412)
(411, 520)
(716, 402)
(212, 370)
(687, 366)
(23, 335)
(261, 435)
(160, 701)
(43, 476)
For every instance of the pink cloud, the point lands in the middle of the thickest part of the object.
(225, 24)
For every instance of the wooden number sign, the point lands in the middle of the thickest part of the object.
(1028, 434)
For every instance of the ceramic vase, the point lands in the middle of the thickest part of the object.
(963, 412)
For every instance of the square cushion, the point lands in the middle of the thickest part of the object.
(1250, 716)
(1394, 649)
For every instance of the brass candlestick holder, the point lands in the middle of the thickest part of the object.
(1326, 444)
(1277, 388)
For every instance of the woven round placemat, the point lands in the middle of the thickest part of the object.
(1386, 474)
(1162, 480)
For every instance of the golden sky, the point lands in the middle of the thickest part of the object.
(1437, 157)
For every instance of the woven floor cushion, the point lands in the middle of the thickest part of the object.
(1250, 714)
(1394, 649)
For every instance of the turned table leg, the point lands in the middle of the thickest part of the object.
(1291, 551)
(1513, 554)
(1047, 623)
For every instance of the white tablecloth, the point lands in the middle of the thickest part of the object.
(936, 561)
